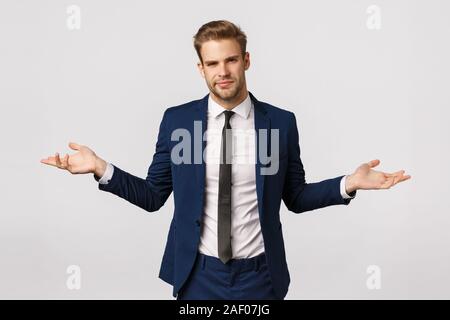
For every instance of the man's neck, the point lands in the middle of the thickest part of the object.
(229, 105)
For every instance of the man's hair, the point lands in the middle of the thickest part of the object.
(219, 30)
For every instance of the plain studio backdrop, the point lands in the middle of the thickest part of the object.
(366, 80)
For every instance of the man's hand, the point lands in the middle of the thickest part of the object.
(84, 161)
(365, 178)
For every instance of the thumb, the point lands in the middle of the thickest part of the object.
(374, 163)
(74, 146)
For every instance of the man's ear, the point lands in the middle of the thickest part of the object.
(247, 60)
(200, 69)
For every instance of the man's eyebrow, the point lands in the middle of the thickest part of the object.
(229, 58)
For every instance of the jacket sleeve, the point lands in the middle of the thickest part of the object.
(300, 196)
(152, 192)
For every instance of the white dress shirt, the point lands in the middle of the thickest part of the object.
(246, 236)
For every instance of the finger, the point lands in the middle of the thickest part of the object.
(74, 146)
(401, 172)
(400, 177)
(373, 163)
(58, 160)
(404, 178)
(395, 180)
(390, 182)
(50, 161)
(65, 161)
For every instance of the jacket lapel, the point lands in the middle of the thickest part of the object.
(200, 169)
(262, 121)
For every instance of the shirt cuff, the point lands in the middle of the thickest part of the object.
(107, 175)
(344, 192)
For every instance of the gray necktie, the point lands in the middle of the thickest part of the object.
(224, 201)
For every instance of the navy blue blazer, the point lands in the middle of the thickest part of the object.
(187, 181)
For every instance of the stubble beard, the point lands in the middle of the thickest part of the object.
(227, 94)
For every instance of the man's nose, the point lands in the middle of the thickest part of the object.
(223, 70)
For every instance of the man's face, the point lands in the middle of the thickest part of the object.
(224, 68)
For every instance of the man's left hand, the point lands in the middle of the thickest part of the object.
(365, 178)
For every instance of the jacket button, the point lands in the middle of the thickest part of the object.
(197, 222)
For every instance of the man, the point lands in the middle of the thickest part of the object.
(225, 239)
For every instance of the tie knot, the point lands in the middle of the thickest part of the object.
(228, 115)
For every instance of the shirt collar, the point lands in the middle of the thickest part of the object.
(242, 109)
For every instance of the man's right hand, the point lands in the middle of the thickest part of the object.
(84, 161)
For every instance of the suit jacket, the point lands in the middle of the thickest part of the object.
(187, 181)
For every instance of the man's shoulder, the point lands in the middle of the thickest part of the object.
(280, 113)
(186, 107)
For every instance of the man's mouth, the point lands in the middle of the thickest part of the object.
(224, 84)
